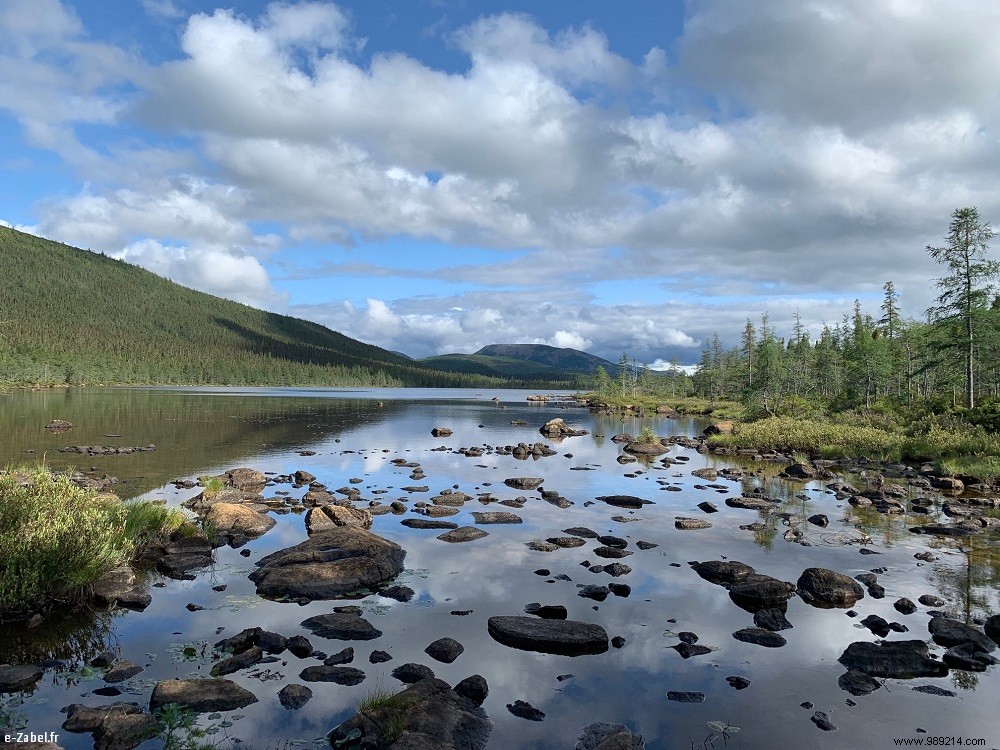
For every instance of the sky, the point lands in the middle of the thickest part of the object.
(432, 176)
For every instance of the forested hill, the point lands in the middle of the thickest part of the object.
(571, 360)
(73, 316)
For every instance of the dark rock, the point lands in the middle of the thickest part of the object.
(723, 572)
(201, 695)
(595, 592)
(473, 688)
(329, 565)
(771, 619)
(242, 660)
(992, 627)
(546, 612)
(928, 600)
(969, 657)
(819, 520)
(539, 546)
(750, 503)
(620, 589)
(118, 726)
(341, 626)
(581, 531)
(904, 606)
(858, 683)
(760, 637)
(566, 637)
(398, 593)
(624, 501)
(687, 650)
(19, 679)
(294, 697)
(410, 672)
(948, 633)
(463, 534)
(122, 670)
(877, 625)
(826, 588)
(524, 710)
(935, 690)
(616, 569)
(379, 657)
(685, 696)
(758, 591)
(524, 483)
(690, 524)
(300, 646)
(618, 642)
(425, 523)
(740, 683)
(445, 650)
(337, 674)
(566, 542)
(821, 720)
(708, 507)
(610, 553)
(492, 517)
(899, 659)
(605, 736)
(441, 432)
(428, 714)
(346, 656)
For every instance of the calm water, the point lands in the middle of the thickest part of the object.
(201, 432)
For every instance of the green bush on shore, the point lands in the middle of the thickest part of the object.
(58, 538)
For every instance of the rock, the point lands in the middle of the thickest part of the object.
(424, 523)
(546, 612)
(118, 586)
(760, 637)
(799, 471)
(969, 657)
(707, 507)
(821, 720)
(558, 428)
(595, 592)
(236, 524)
(19, 679)
(758, 591)
(877, 625)
(303, 477)
(565, 637)
(904, 606)
(441, 432)
(928, 600)
(646, 449)
(345, 656)
(609, 553)
(992, 627)
(122, 670)
(524, 710)
(445, 650)
(201, 695)
(723, 572)
(686, 696)
(935, 690)
(273, 643)
(618, 642)
(738, 682)
(581, 531)
(858, 683)
(463, 534)
(646, 545)
(826, 588)
(59, 425)
(771, 619)
(333, 673)
(474, 688)
(566, 542)
(118, 726)
(948, 633)
(523, 483)
(411, 673)
(620, 589)
(624, 501)
(617, 569)
(330, 564)
(539, 546)
(294, 697)
(820, 520)
(750, 503)
(707, 474)
(300, 646)
(342, 626)
(398, 593)
(103, 659)
(379, 657)
(495, 517)
(428, 714)
(245, 479)
(326, 517)
(691, 524)
(899, 659)
(687, 650)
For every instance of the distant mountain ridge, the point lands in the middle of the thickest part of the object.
(566, 359)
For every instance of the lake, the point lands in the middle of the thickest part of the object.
(357, 435)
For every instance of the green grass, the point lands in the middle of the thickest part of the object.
(58, 539)
(379, 697)
(692, 405)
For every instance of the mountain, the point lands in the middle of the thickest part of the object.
(76, 317)
(567, 360)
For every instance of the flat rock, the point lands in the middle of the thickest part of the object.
(821, 587)
(610, 553)
(329, 565)
(524, 483)
(771, 619)
(969, 657)
(19, 679)
(122, 670)
(238, 661)
(685, 696)
(341, 626)
(595, 592)
(426, 523)
(750, 503)
(691, 524)
(947, 632)
(118, 726)
(524, 710)
(495, 516)
(333, 673)
(201, 695)
(462, 534)
(935, 690)
(566, 637)
(539, 546)
(760, 637)
(236, 523)
(723, 572)
(428, 714)
(326, 517)
(858, 683)
(547, 611)
(581, 531)
(624, 501)
(566, 542)
(899, 659)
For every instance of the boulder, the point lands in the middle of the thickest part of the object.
(524, 483)
(294, 697)
(441, 432)
(333, 673)
(826, 588)
(723, 572)
(491, 517)
(760, 637)
(558, 428)
(118, 726)
(474, 688)
(758, 591)
(201, 695)
(566, 637)
(445, 650)
(947, 632)
(19, 679)
(236, 524)
(342, 626)
(411, 673)
(428, 714)
(326, 517)
(899, 659)
(245, 479)
(624, 501)
(122, 670)
(337, 563)
(606, 736)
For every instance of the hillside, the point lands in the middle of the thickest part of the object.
(505, 367)
(76, 317)
(567, 360)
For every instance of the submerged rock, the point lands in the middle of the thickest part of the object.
(463, 534)
(566, 637)
(201, 695)
(329, 565)
(428, 714)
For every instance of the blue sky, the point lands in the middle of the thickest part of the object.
(434, 175)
